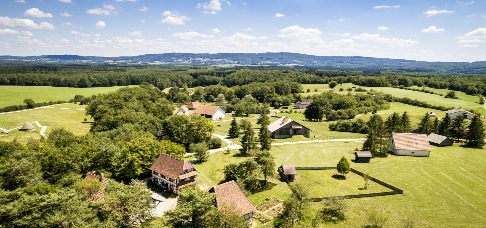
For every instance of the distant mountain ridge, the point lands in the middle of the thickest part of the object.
(280, 59)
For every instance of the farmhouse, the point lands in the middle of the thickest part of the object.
(27, 127)
(213, 112)
(410, 144)
(439, 140)
(229, 195)
(362, 156)
(286, 127)
(453, 113)
(99, 194)
(303, 103)
(183, 110)
(288, 172)
(193, 105)
(173, 173)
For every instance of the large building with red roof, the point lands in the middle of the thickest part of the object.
(410, 144)
(173, 173)
(230, 196)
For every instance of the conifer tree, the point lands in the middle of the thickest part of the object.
(426, 125)
(343, 167)
(264, 134)
(436, 126)
(267, 164)
(405, 123)
(476, 135)
(248, 138)
(234, 131)
(445, 126)
(377, 138)
(458, 127)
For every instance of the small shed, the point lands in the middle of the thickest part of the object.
(439, 140)
(182, 111)
(362, 156)
(431, 114)
(288, 172)
(27, 127)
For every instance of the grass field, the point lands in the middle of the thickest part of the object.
(67, 116)
(15, 95)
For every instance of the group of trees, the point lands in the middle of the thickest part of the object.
(333, 106)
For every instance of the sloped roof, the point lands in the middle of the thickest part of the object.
(99, 195)
(458, 110)
(206, 110)
(305, 101)
(169, 166)
(289, 170)
(411, 141)
(435, 138)
(183, 108)
(363, 154)
(229, 195)
(27, 126)
(193, 105)
(282, 122)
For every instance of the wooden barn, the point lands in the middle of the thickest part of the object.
(229, 195)
(410, 144)
(362, 156)
(286, 128)
(439, 140)
(288, 172)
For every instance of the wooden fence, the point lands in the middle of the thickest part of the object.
(394, 192)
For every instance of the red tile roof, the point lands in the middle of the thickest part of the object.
(98, 195)
(229, 195)
(193, 105)
(169, 166)
(206, 110)
(411, 141)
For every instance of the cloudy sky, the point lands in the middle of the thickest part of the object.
(421, 30)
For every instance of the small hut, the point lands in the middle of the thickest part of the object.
(288, 172)
(362, 156)
(439, 140)
(27, 127)
(182, 111)
(431, 114)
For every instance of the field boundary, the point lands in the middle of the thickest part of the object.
(394, 189)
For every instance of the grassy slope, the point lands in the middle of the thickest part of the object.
(15, 95)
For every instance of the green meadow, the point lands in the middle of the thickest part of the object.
(15, 95)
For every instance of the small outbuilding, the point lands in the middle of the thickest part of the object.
(362, 156)
(182, 111)
(453, 113)
(439, 140)
(193, 105)
(303, 103)
(431, 114)
(286, 128)
(27, 127)
(410, 144)
(288, 172)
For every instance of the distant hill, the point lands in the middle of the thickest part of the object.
(281, 59)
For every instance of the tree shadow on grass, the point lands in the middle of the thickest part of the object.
(338, 177)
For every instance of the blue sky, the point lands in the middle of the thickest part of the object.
(419, 30)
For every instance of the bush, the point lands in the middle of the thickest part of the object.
(214, 143)
(200, 151)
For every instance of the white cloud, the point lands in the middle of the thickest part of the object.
(21, 1)
(15, 32)
(106, 10)
(100, 24)
(392, 42)
(383, 28)
(341, 19)
(248, 29)
(212, 6)
(342, 41)
(67, 24)
(345, 34)
(26, 23)
(468, 46)
(144, 9)
(436, 12)
(476, 36)
(215, 30)
(279, 15)
(35, 12)
(66, 15)
(386, 7)
(190, 35)
(143, 21)
(174, 18)
(65, 1)
(136, 33)
(466, 3)
(297, 31)
(433, 29)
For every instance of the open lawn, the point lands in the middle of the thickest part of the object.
(15, 95)
(68, 116)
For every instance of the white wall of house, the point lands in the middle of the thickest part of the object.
(219, 114)
(416, 153)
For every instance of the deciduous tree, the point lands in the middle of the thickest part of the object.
(248, 137)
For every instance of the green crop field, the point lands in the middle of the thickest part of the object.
(67, 116)
(15, 95)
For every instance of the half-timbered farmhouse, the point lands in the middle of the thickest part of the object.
(173, 173)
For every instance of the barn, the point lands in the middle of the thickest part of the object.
(453, 113)
(362, 156)
(288, 172)
(286, 128)
(410, 144)
(213, 112)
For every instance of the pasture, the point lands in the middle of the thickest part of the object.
(67, 116)
(15, 95)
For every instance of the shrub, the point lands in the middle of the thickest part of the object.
(214, 143)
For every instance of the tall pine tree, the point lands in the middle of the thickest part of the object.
(458, 127)
(376, 140)
(445, 126)
(264, 136)
(475, 136)
(234, 131)
(426, 125)
(405, 123)
(248, 138)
